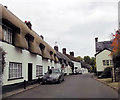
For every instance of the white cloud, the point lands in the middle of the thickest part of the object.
(72, 23)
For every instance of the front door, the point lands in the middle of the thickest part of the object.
(29, 71)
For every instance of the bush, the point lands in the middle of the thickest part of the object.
(106, 73)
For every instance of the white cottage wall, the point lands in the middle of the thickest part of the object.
(15, 54)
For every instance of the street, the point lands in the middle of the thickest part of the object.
(74, 86)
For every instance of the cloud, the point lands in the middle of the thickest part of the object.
(72, 23)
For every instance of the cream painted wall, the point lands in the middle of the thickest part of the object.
(104, 55)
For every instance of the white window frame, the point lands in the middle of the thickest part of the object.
(104, 62)
(39, 70)
(15, 70)
(7, 32)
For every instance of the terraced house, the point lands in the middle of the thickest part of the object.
(28, 56)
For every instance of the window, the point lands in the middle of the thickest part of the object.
(104, 62)
(39, 70)
(107, 62)
(111, 62)
(7, 34)
(15, 70)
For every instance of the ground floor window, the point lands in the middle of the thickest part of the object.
(39, 70)
(15, 70)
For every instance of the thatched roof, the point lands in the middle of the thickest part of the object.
(62, 56)
(20, 40)
(73, 58)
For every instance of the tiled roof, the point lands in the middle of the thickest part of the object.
(102, 45)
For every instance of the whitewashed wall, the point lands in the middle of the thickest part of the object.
(22, 56)
(104, 55)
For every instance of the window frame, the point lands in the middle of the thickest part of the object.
(9, 34)
(104, 63)
(15, 74)
(38, 71)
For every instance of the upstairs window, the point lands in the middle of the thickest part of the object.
(51, 52)
(42, 46)
(7, 32)
(28, 39)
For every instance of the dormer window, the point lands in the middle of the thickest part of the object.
(29, 39)
(42, 46)
(51, 52)
(7, 32)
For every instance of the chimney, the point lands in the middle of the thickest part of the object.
(72, 54)
(64, 50)
(96, 39)
(42, 37)
(29, 24)
(6, 7)
(56, 48)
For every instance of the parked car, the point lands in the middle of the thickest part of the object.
(77, 71)
(53, 76)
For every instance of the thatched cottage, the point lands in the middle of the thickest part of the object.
(28, 56)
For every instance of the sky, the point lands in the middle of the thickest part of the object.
(70, 24)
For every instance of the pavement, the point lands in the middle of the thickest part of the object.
(108, 82)
(74, 86)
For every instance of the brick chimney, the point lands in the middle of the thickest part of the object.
(72, 54)
(42, 37)
(64, 50)
(56, 48)
(6, 7)
(96, 39)
(29, 24)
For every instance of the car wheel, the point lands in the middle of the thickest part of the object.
(59, 81)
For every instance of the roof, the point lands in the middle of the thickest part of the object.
(20, 40)
(62, 56)
(102, 45)
(72, 58)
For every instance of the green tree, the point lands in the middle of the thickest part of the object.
(87, 59)
(80, 58)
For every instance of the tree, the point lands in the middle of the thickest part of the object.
(93, 63)
(79, 58)
(2, 59)
(87, 59)
(116, 53)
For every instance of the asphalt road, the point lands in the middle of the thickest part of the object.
(74, 86)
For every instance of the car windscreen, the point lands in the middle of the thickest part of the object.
(55, 71)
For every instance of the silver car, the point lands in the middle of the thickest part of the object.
(53, 76)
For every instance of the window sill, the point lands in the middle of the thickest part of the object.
(15, 78)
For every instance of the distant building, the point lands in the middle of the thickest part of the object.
(103, 58)
(76, 63)
(64, 62)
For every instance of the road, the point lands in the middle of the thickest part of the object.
(74, 86)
